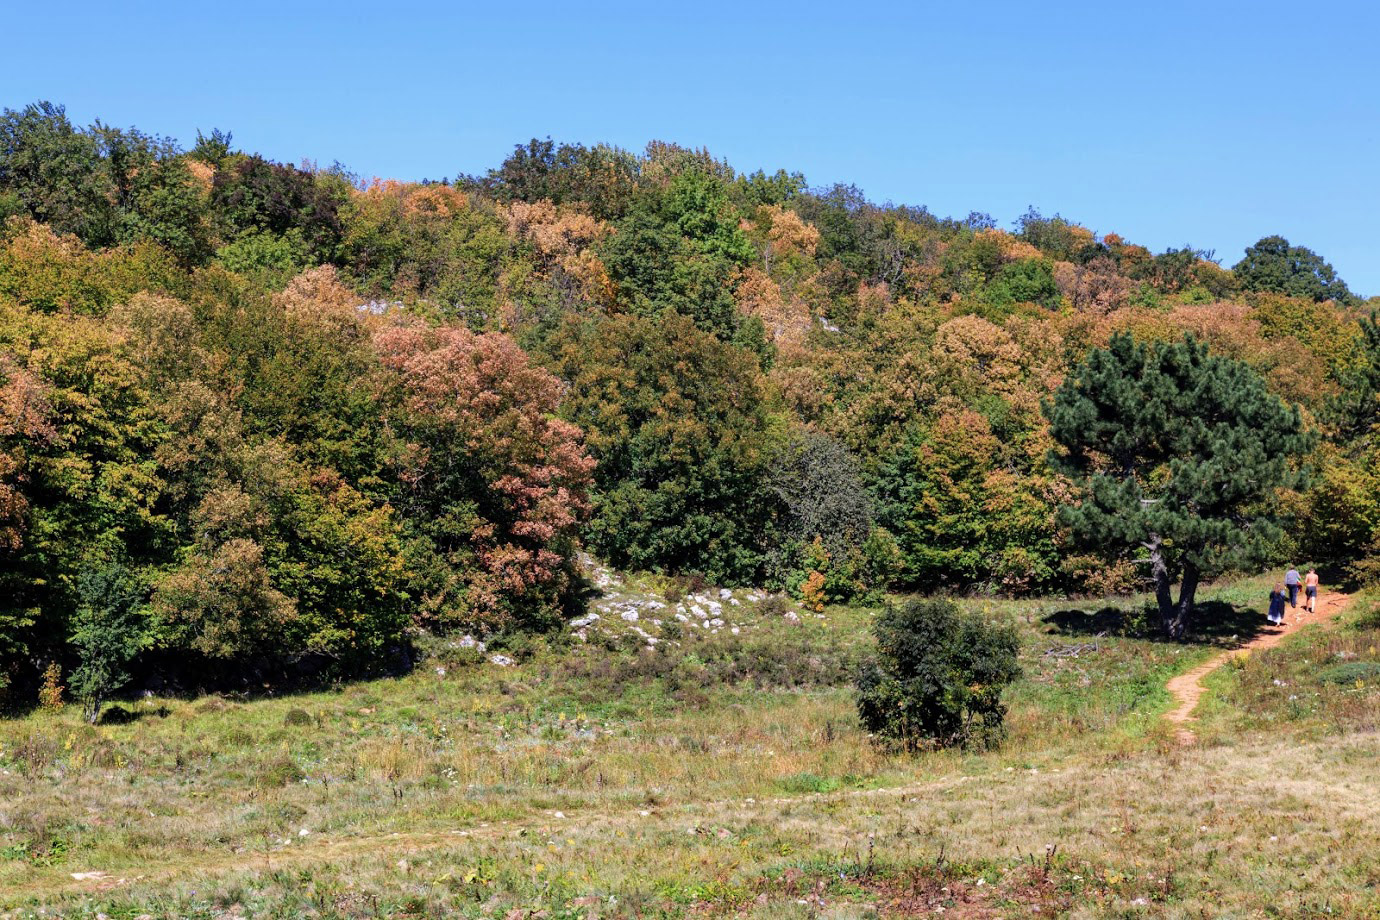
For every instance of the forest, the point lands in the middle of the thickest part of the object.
(265, 422)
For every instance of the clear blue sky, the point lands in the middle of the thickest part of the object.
(1208, 123)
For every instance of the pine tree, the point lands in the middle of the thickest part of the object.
(1179, 453)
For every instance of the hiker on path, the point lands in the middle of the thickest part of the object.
(1277, 597)
(1291, 581)
(1310, 591)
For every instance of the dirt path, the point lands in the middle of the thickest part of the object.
(1187, 688)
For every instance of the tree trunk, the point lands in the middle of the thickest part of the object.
(1177, 626)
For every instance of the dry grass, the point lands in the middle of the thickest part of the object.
(488, 790)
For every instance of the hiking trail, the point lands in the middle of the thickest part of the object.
(1187, 688)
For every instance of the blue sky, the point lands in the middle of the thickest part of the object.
(1169, 123)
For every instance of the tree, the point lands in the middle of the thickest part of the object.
(1179, 453)
(493, 484)
(675, 419)
(108, 630)
(938, 677)
(56, 172)
(821, 485)
(1272, 264)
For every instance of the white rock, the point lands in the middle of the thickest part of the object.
(698, 611)
(735, 602)
(735, 630)
(725, 594)
(629, 615)
(654, 605)
(683, 618)
(791, 616)
(503, 661)
(303, 832)
(716, 622)
(440, 672)
(588, 619)
(656, 622)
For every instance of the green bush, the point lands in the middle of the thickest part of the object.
(937, 678)
(1351, 672)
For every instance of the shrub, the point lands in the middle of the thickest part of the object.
(937, 678)
(280, 772)
(50, 691)
(297, 717)
(1352, 672)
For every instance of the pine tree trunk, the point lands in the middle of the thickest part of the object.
(1164, 596)
(1177, 627)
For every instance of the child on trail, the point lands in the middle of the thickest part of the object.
(1291, 581)
(1310, 591)
(1277, 597)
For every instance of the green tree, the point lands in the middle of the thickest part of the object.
(1274, 265)
(675, 419)
(1179, 453)
(108, 630)
(56, 173)
(938, 677)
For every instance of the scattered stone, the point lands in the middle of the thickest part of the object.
(725, 594)
(735, 630)
(588, 619)
(503, 661)
(790, 616)
(89, 876)
(629, 615)
(304, 833)
(716, 622)
(698, 611)
(682, 618)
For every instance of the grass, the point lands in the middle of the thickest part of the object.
(724, 775)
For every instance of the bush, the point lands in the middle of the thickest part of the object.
(938, 677)
(1352, 672)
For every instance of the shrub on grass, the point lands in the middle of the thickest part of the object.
(1352, 672)
(297, 717)
(280, 772)
(937, 678)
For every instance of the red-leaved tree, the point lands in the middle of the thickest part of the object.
(495, 484)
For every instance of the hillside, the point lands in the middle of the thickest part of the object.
(270, 424)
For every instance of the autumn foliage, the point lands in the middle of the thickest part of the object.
(260, 420)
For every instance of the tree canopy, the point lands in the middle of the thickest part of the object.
(1178, 451)
(263, 421)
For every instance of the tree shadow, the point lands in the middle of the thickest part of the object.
(119, 715)
(1214, 623)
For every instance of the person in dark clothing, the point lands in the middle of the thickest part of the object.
(1277, 598)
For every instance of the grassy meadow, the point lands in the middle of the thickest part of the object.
(722, 774)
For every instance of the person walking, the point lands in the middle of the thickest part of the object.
(1276, 614)
(1291, 581)
(1310, 591)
